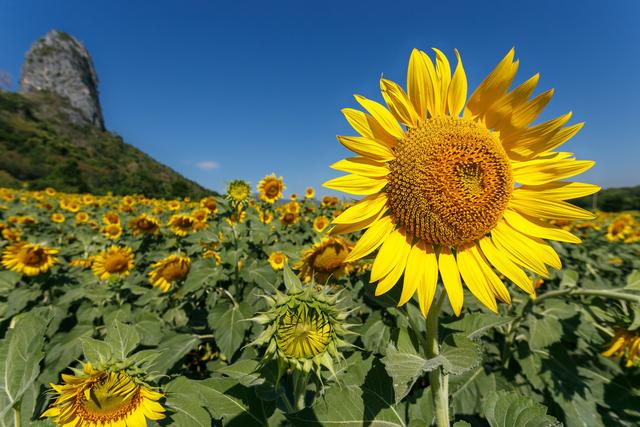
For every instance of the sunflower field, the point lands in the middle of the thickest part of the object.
(252, 309)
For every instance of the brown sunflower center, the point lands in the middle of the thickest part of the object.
(450, 181)
(330, 258)
(116, 263)
(106, 400)
(174, 271)
(33, 256)
(272, 189)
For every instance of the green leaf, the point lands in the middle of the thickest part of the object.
(509, 409)
(459, 354)
(8, 280)
(20, 354)
(476, 325)
(173, 348)
(231, 326)
(461, 424)
(633, 281)
(468, 389)
(569, 279)
(405, 369)
(544, 331)
(122, 339)
(290, 278)
(376, 334)
(96, 351)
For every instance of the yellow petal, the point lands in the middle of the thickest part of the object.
(518, 247)
(367, 147)
(457, 95)
(398, 103)
(355, 184)
(537, 206)
(474, 278)
(355, 226)
(443, 70)
(558, 190)
(382, 116)
(421, 274)
(395, 247)
(451, 279)
(371, 239)
(537, 228)
(392, 278)
(498, 288)
(368, 127)
(527, 112)
(368, 207)
(499, 114)
(504, 265)
(362, 166)
(538, 172)
(417, 83)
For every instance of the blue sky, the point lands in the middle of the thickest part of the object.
(241, 89)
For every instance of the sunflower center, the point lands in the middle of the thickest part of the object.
(330, 258)
(174, 271)
(272, 189)
(116, 263)
(33, 257)
(109, 399)
(450, 181)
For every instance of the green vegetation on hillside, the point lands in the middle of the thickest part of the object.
(40, 148)
(613, 200)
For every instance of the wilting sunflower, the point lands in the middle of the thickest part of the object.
(277, 260)
(93, 398)
(144, 224)
(625, 344)
(320, 223)
(238, 191)
(114, 261)
(270, 188)
(29, 259)
(112, 231)
(172, 269)
(182, 224)
(324, 259)
(309, 193)
(465, 185)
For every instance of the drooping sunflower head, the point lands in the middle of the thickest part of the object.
(30, 259)
(101, 398)
(325, 259)
(238, 191)
(270, 188)
(458, 187)
(116, 261)
(182, 224)
(144, 224)
(277, 260)
(304, 329)
(171, 269)
(320, 223)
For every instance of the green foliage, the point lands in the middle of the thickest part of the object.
(504, 409)
(612, 200)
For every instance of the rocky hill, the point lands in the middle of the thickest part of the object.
(52, 132)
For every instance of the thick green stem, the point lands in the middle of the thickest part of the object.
(437, 378)
(299, 389)
(16, 414)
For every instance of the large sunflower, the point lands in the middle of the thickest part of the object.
(168, 271)
(99, 399)
(270, 188)
(29, 259)
(457, 187)
(114, 261)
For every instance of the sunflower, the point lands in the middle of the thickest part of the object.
(238, 191)
(144, 224)
(174, 205)
(619, 227)
(182, 224)
(324, 259)
(11, 234)
(270, 188)
(293, 197)
(112, 231)
(99, 398)
(58, 218)
(201, 214)
(465, 185)
(277, 260)
(265, 216)
(210, 204)
(173, 268)
(82, 217)
(625, 344)
(114, 261)
(289, 218)
(320, 223)
(81, 262)
(329, 201)
(29, 259)
(210, 253)
(111, 218)
(309, 193)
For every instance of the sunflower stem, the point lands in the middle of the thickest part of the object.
(16, 414)
(437, 378)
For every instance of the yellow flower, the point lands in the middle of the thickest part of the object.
(293, 197)
(324, 259)
(329, 201)
(619, 227)
(277, 260)
(270, 188)
(303, 334)
(210, 204)
(29, 259)
(309, 193)
(210, 253)
(465, 185)
(289, 218)
(200, 214)
(114, 261)
(82, 217)
(182, 224)
(625, 344)
(99, 399)
(265, 216)
(174, 205)
(50, 191)
(320, 223)
(128, 200)
(111, 218)
(173, 268)
(238, 191)
(58, 218)
(82, 262)
(11, 234)
(112, 231)
(144, 224)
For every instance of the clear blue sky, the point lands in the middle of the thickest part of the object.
(220, 90)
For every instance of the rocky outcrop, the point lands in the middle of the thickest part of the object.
(61, 64)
